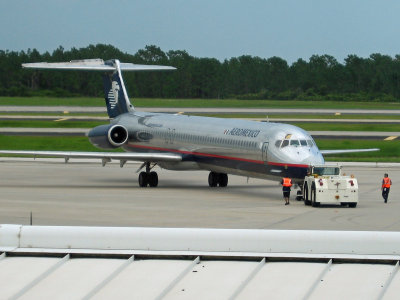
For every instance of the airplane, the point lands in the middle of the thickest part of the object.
(254, 149)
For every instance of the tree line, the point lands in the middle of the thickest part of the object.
(376, 78)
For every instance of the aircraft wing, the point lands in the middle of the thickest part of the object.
(104, 156)
(327, 152)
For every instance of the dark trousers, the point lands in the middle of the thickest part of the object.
(385, 193)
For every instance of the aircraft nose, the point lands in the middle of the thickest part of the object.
(314, 159)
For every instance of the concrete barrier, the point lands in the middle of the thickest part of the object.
(201, 240)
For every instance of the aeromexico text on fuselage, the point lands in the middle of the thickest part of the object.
(248, 148)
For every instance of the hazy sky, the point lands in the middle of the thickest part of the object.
(290, 29)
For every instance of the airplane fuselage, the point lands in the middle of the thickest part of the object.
(254, 149)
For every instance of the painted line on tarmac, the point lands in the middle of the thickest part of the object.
(391, 138)
(62, 119)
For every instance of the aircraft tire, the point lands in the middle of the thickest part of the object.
(223, 180)
(143, 179)
(213, 179)
(153, 179)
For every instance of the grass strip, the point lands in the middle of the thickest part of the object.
(389, 149)
(307, 126)
(156, 102)
(298, 116)
(50, 124)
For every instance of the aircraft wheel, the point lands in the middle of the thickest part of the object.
(153, 179)
(143, 179)
(213, 179)
(223, 180)
(299, 196)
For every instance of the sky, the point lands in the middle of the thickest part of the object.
(290, 29)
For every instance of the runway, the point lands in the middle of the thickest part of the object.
(88, 194)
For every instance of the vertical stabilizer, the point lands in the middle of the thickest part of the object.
(115, 94)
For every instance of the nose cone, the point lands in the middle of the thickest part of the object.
(315, 158)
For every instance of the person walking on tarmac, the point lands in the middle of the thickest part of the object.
(286, 185)
(386, 183)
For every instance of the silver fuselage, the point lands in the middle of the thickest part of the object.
(248, 148)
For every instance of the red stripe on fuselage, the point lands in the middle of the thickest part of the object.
(216, 156)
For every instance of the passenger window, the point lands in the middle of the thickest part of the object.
(303, 142)
(285, 143)
(294, 143)
(278, 143)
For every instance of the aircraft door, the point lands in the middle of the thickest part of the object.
(265, 151)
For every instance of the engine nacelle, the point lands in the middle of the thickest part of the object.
(108, 136)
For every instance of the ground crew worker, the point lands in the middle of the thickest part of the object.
(286, 184)
(386, 183)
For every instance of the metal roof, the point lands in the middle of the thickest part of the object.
(45, 262)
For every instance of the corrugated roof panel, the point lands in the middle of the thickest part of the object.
(282, 280)
(352, 281)
(17, 272)
(74, 279)
(212, 280)
(142, 279)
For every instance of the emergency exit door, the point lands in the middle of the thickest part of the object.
(265, 151)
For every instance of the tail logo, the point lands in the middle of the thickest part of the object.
(113, 94)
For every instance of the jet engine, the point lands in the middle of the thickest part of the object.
(108, 136)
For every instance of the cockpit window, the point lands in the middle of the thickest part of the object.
(294, 143)
(285, 143)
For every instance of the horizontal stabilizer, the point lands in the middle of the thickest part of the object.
(95, 65)
(327, 152)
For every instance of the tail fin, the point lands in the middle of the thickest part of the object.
(116, 97)
(115, 94)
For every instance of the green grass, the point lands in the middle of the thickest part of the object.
(347, 127)
(50, 124)
(50, 101)
(297, 116)
(154, 102)
(67, 143)
(389, 149)
(55, 114)
(307, 126)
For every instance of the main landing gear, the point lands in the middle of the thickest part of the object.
(220, 179)
(148, 178)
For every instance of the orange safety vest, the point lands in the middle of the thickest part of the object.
(287, 182)
(386, 182)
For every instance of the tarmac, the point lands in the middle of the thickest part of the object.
(87, 194)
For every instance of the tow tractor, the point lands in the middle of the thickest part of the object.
(326, 185)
